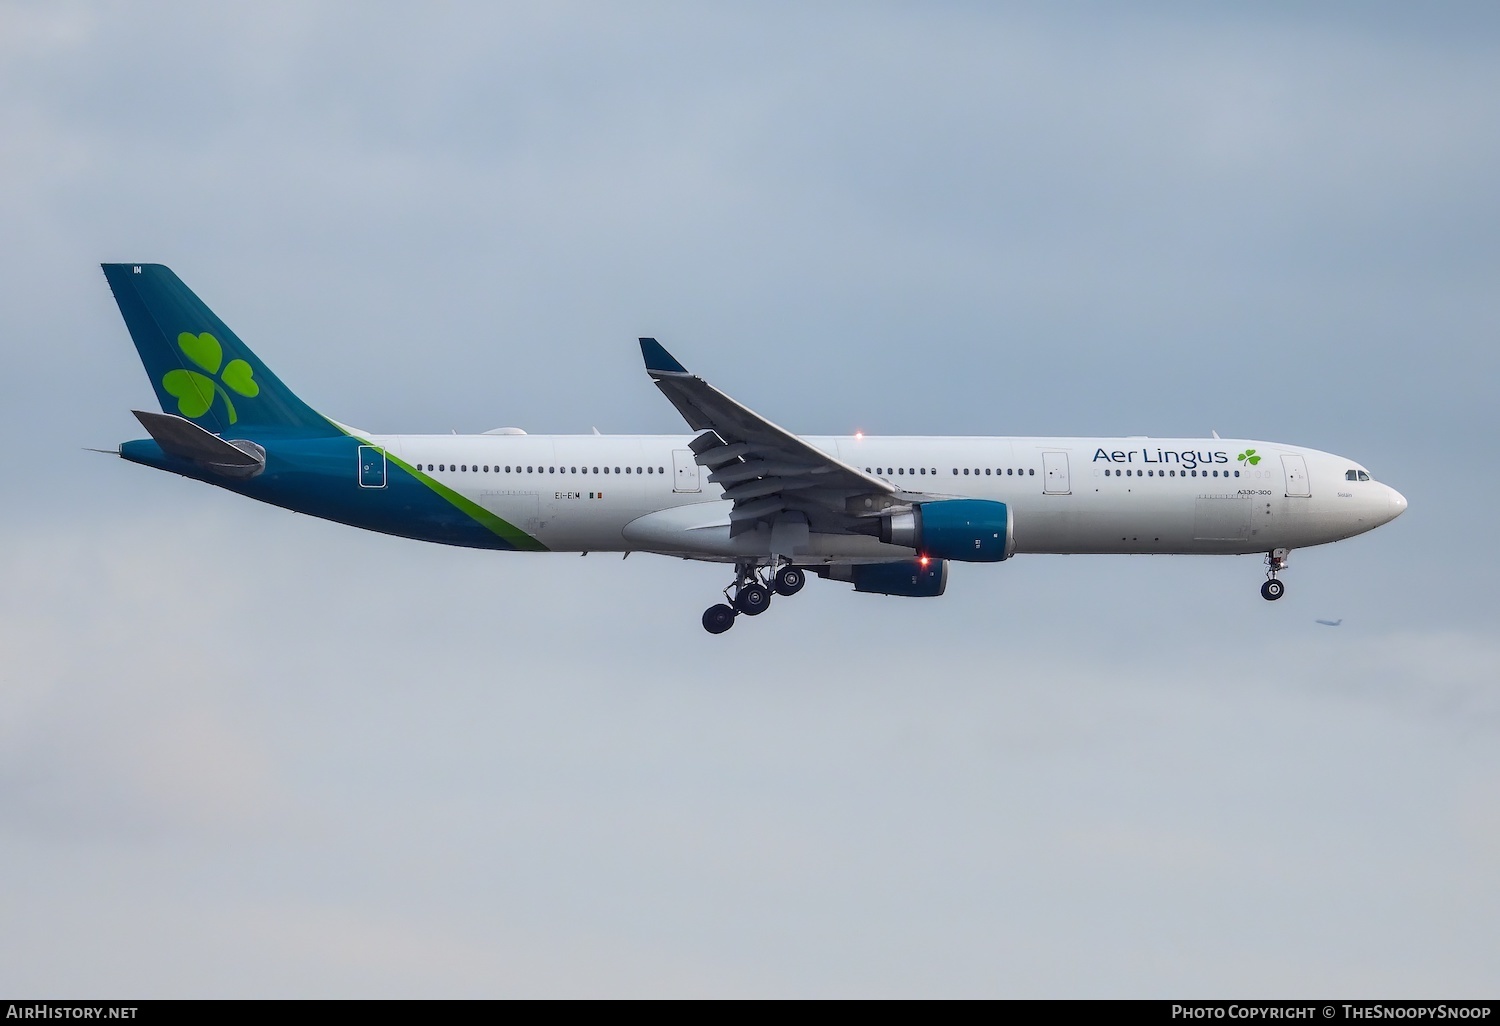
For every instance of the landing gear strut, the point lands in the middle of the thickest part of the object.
(751, 592)
(1273, 589)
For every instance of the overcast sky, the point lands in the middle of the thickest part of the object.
(244, 752)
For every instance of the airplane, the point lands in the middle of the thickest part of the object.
(1330, 623)
(887, 515)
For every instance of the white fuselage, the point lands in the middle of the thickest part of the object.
(1066, 495)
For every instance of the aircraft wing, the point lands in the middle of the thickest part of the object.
(765, 469)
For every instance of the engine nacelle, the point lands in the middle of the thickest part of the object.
(968, 530)
(910, 578)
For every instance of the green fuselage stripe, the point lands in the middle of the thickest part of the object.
(501, 528)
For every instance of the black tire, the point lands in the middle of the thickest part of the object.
(789, 580)
(753, 599)
(1272, 590)
(718, 619)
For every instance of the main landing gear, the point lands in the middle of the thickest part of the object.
(751, 593)
(1273, 589)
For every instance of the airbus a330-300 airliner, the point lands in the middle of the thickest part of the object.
(885, 514)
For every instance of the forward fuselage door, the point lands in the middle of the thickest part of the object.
(1296, 475)
(1055, 469)
(684, 471)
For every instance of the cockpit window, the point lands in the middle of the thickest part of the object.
(1351, 475)
(1363, 476)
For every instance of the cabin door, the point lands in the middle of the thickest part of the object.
(1055, 471)
(684, 471)
(371, 467)
(1296, 475)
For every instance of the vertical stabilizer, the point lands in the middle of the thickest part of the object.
(200, 369)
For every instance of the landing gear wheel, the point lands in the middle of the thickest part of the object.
(789, 580)
(1272, 590)
(718, 619)
(753, 599)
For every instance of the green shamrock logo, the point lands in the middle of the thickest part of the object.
(1248, 456)
(195, 392)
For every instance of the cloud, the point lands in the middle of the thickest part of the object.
(435, 772)
(114, 721)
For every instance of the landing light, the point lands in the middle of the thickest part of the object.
(924, 561)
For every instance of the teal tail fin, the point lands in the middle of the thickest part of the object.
(199, 368)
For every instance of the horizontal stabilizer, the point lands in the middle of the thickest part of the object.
(179, 436)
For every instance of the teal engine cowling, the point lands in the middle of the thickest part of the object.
(910, 578)
(967, 530)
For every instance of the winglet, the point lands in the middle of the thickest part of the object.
(658, 360)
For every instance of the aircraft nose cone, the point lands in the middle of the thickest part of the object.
(1398, 502)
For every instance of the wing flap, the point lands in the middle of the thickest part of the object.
(766, 470)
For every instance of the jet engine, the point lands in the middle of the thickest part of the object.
(967, 530)
(910, 578)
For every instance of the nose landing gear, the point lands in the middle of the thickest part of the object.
(1276, 560)
(750, 593)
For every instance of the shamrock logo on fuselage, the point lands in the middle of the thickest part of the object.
(195, 392)
(1248, 456)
